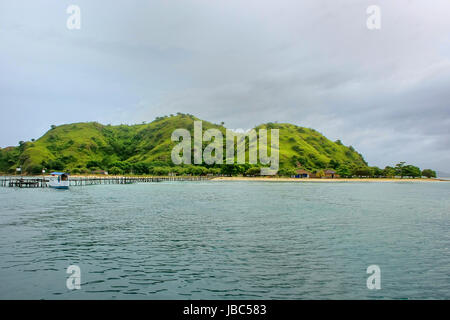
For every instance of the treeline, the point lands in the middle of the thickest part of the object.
(162, 169)
(401, 169)
(346, 170)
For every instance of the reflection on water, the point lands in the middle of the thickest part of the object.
(219, 240)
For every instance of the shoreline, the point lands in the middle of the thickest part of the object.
(261, 179)
(267, 179)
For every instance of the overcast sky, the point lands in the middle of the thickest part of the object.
(311, 63)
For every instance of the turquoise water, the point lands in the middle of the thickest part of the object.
(227, 240)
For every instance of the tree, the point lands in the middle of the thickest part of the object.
(161, 171)
(214, 171)
(376, 172)
(115, 171)
(363, 172)
(399, 171)
(402, 170)
(232, 169)
(53, 164)
(411, 171)
(344, 171)
(429, 173)
(199, 170)
(389, 171)
(254, 171)
(93, 164)
(334, 164)
(140, 168)
(34, 169)
(287, 172)
(320, 174)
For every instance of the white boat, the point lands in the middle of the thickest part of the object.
(59, 180)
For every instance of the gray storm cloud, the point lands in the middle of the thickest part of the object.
(311, 63)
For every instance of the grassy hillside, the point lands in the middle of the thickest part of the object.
(83, 147)
(311, 149)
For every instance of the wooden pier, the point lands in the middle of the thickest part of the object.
(24, 182)
(42, 182)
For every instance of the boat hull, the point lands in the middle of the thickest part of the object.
(58, 184)
(60, 187)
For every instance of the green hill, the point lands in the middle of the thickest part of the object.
(146, 149)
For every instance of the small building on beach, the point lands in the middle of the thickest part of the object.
(331, 174)
(301, 173)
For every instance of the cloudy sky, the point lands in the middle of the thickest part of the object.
(245, 62)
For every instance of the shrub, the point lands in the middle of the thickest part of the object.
(254, 171)
(214, 171)
(34, 169)
(320, 174)
(287, 172)
(115, 171)
(93, 164)
(161, 171)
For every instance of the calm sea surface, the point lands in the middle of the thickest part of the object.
(227, 240)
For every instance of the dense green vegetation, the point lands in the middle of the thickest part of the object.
(146, 148)
(429, 173)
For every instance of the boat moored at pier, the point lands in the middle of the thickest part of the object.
(59, 180)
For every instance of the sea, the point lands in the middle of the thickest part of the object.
(227, 240)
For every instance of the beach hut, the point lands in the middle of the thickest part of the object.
(330, 174)
(59, 180)
(302, 174)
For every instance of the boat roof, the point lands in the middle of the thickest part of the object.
(59, 173)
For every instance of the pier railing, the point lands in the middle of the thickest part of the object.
(42, 182)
